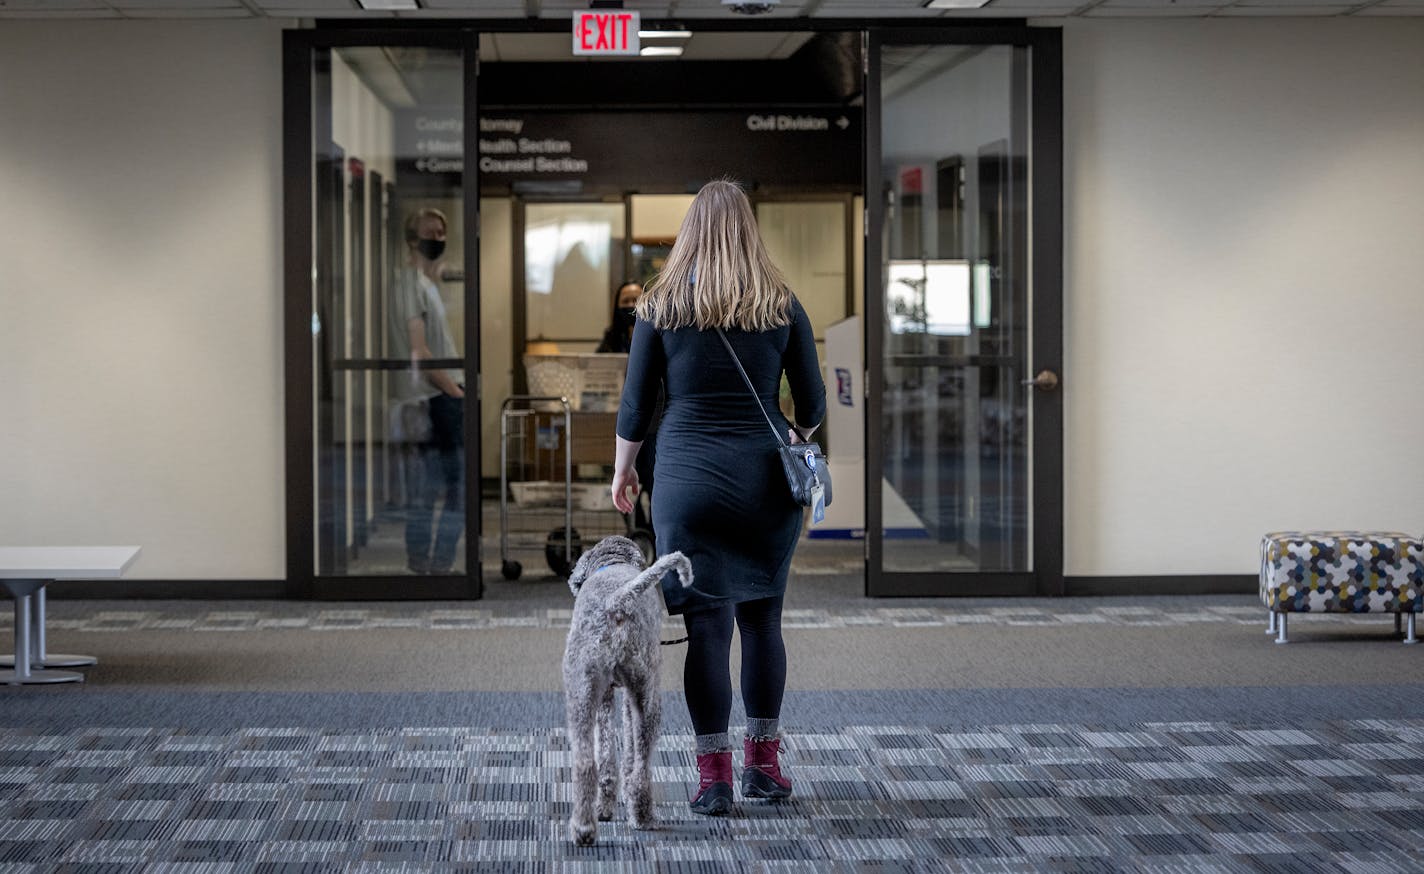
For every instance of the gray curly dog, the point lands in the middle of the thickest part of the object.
(613, 641)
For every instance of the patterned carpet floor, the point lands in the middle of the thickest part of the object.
(1317, 767)
(1195, 796)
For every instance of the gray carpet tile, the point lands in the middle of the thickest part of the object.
(1196, 795)
(1284, 706)
(546, 612)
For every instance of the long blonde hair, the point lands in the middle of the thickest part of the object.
(718, 274)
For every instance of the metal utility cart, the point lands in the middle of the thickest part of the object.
(544, 505)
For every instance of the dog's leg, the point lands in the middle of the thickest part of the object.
(607, 757)
(630, 755)
(580, 702)
(643, 713)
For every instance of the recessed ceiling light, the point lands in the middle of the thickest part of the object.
(660, 51)
(956, 4)
(385, 5)
(664, 34)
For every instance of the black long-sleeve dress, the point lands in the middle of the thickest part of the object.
(722, 497)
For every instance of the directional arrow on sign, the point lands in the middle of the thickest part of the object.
(843, 122)
(420, 146)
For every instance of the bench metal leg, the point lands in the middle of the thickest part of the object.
(22, 673)
(1409, 625)
(1270, 622)
(1281, 624)
(40, 657)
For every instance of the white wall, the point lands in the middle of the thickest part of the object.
(140, 276)
(1244, 210)
(1244, 203)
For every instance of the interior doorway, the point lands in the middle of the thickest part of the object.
(554, 182)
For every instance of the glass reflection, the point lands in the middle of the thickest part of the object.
(956, 454)
(388, 313)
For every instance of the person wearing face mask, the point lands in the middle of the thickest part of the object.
(430, 400)
(619, 335)
(619, 338)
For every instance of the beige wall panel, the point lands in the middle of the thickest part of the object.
(807, 240)
(1244, 202)
(141, 341)
(658, 216)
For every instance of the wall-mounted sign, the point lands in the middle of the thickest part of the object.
(632, 151)
(606, 32)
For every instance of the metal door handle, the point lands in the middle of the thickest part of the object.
(1046, 380)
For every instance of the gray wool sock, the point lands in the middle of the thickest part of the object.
(720, 742)
(762, 729)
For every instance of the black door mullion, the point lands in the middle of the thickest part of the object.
(875, 213)
(474, 394)
(1046, 98)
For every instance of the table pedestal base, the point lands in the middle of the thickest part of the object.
(53, 660)
(22, 670)
(15, 678)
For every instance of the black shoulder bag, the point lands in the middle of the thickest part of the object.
(804, 463)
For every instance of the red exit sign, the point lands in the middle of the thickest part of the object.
(605, 32)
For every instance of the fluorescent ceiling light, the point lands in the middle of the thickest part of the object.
(664, 34)
(956, 4)
(660, 51)
(388, 4)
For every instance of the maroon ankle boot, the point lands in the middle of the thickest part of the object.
(714, 789)
(761, 776)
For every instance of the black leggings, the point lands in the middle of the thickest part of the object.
(707, 674)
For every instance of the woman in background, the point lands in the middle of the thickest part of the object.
(619, 336)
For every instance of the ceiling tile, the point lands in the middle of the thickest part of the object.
(308, 12)
(1284, 11)
(1027, 11)
(1036, 4)
(1174, 11)
(175, 5)
(862, 9)
(1194, 7)
(50, 5)
(1296, 3)
(197, 12)
(463, 13)
(283, 6)
(503, 7)
(59, 13)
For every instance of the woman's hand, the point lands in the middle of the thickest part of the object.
(625, 488)
(801, 435)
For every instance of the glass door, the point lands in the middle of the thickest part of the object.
(382, 327)
(963, 328)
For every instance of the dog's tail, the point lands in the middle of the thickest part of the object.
(624, 597)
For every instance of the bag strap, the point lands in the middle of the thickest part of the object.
(751, 388)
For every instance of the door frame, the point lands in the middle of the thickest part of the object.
(1045, 276)
(306, 126)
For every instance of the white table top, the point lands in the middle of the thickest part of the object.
(65, 562)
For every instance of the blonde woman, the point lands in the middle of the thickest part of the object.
(722, 498)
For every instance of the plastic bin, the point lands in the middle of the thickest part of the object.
(592, 381)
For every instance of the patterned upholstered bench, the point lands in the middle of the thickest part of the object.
(1341, 572)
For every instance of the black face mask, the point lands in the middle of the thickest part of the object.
(623, 317)
(431, 249)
